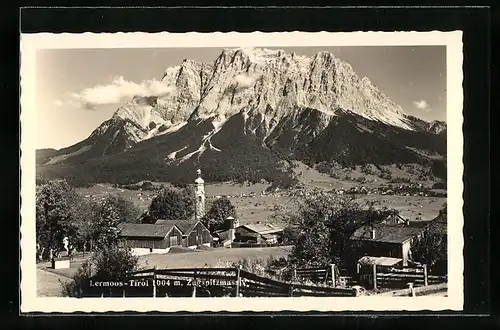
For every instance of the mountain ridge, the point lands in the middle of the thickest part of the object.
(274, 103)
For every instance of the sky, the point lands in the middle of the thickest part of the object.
(412, 76)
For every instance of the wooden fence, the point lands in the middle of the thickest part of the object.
(330, 275)
(396, 278)
(215, 282)
(441, 288)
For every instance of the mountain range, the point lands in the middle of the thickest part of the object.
(246, 116)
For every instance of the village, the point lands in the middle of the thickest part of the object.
(182, 250)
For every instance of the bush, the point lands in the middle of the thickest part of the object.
(109, 264)
(80, 281)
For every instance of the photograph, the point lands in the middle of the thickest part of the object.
(300, 167)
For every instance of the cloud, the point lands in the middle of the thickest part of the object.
(58, 103)
(245, 80)
(422, 105)
(118, 90)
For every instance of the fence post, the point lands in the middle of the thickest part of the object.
(426, 281)
(295, 272)
(290, 290)
(374, 277)
(154, 282)
(412, 290)
(238, 278)
(332, 266)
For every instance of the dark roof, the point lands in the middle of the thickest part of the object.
(387, 233)
(185, 226)
(223, 234)
(143, 230)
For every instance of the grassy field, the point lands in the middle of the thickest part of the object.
(252, 206)
(215, 258)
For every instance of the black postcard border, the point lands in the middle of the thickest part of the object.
(475, 24)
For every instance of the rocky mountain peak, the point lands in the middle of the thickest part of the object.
(268, 83)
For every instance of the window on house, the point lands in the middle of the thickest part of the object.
(173, 241)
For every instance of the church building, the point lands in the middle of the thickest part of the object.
(159, 237)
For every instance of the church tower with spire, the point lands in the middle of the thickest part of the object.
(200, 196)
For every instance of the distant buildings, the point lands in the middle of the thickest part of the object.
(249, 234)
(258, 234)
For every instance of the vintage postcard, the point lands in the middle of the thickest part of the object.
(241, 172)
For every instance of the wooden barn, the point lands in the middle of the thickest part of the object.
(194, 233)
(149, 238)
(160, 237)
(258, 233)
(386, 240)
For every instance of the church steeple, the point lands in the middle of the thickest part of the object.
(200, 196)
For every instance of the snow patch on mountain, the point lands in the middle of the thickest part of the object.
(172, 155)
(265, 86)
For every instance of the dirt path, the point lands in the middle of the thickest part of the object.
(49, 284)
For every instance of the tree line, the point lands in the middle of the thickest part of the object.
(62, 212)
(320, 232)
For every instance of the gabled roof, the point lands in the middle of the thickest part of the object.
(143, 230)
(185, 226)
(387, 233)
(262, 229)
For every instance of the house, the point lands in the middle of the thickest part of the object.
(160, 237)
(149, 238)
(194, 233)
(258, 233)
(386, 240)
